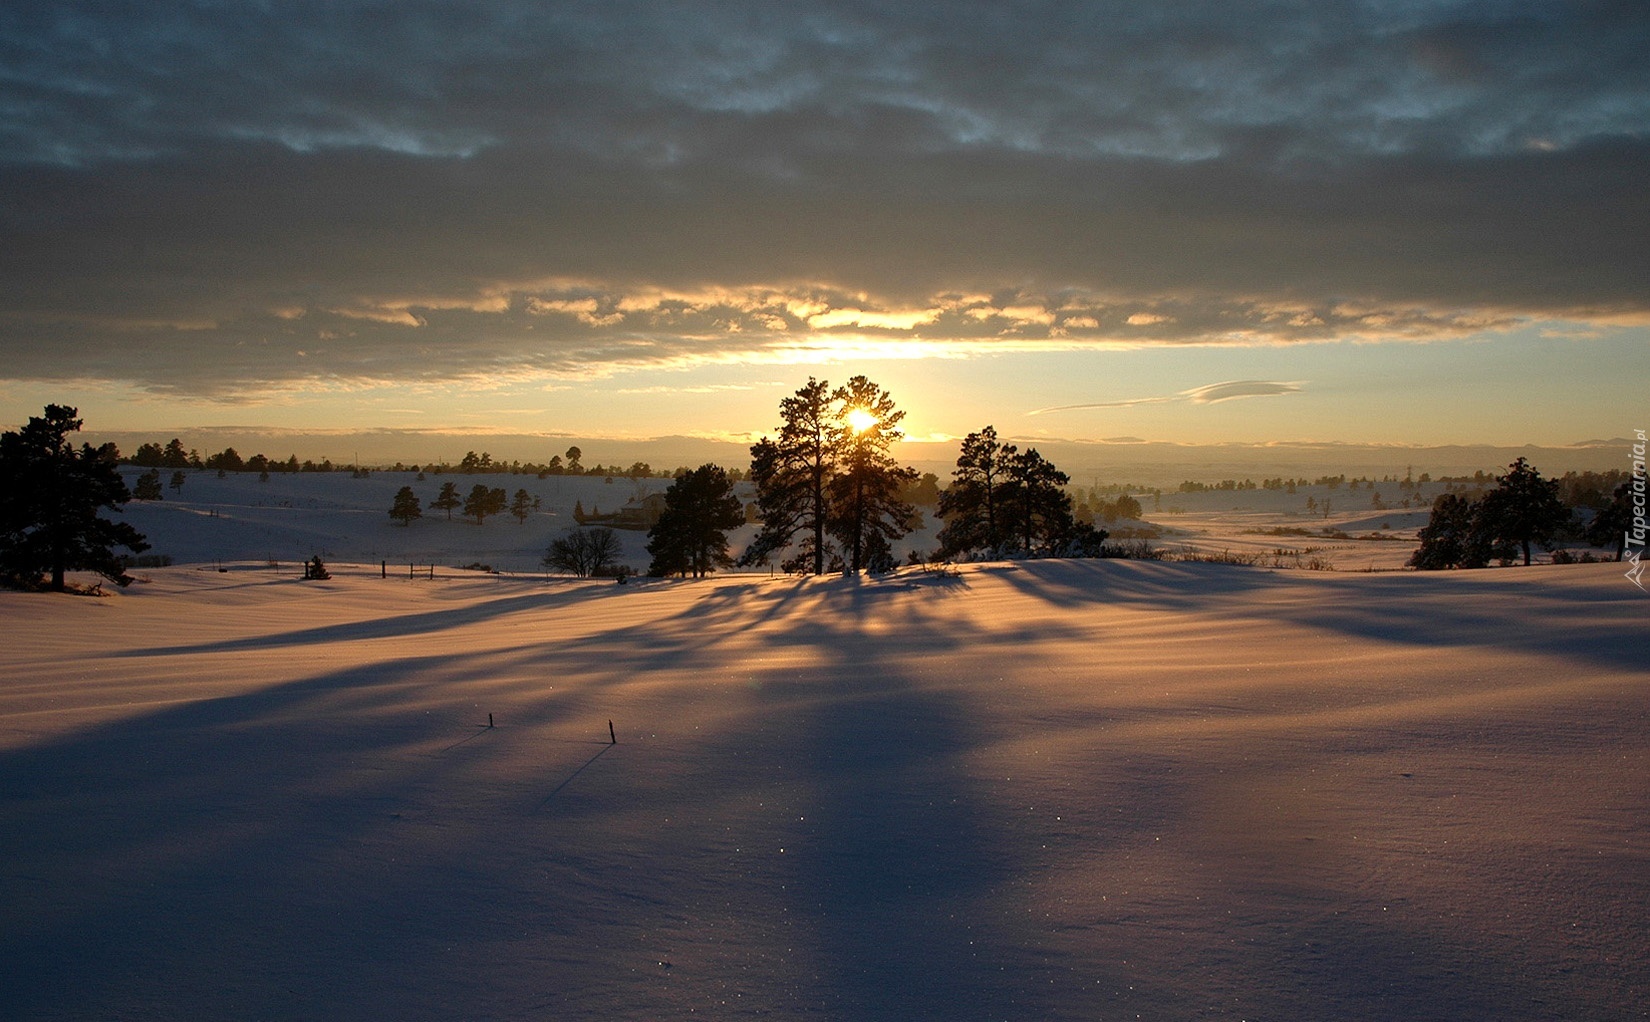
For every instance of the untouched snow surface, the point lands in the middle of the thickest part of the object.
(1082, 790)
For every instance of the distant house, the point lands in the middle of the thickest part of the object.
(640, 514)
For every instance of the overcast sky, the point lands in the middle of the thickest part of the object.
(1362, 221)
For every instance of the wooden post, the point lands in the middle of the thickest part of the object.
(489, 720)
(613, 738)
(383, 569)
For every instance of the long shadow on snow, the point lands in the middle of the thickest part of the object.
(283, 853)
(895, 858)
(144, 856)
(902, 869)
(1422, 610)
(389, 627)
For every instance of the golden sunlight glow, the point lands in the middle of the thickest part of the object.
(860, 420)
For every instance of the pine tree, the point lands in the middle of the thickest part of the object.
(1524, 508)
(791, 473)
(1499, 526)
(483, 501)
(406, 506)
(149, 456)
(50, 496)
(1034, 499)
(175, 456)
(147, 486)
(868, 513)
(447, 499)
(970, 506)
(691, 534)
(521, 506)
(1453, 536)
(1610, 526)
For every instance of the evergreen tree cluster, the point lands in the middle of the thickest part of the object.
(827, 485)
(481, 502)
(691, 536)
(173, 456)
(1005, 502)
(51, 494)
(1523, 510)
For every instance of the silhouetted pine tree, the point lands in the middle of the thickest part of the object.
(1609, 527)
(406, 506)
(1452, 537)
(791, 473)
(868, 513)
(484, 501)
(1036, 505)
(521, 505)
(970, 506)
(147, 486)
(447, 499)
(50, 496)
(691, 537)
(1524, 509)
(175, 456)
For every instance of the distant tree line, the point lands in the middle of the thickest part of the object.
(172, 455)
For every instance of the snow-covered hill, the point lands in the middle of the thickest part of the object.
(292, 517)
(1051, 791)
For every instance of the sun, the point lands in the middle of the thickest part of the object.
(860, 420)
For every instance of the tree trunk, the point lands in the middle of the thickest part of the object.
(819, 520)
(859, 521)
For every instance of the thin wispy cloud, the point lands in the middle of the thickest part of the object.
(1213, 393)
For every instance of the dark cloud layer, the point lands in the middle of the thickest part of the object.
(195, 196)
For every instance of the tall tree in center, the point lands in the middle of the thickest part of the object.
(791, 472)
(972, 504)
(865, 492)
(829, 475)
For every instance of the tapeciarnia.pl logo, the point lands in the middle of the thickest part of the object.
(1636, 531)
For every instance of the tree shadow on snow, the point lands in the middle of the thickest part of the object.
(1430, 610)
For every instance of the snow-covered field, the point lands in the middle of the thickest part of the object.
(290, 518)
(1050, 790)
